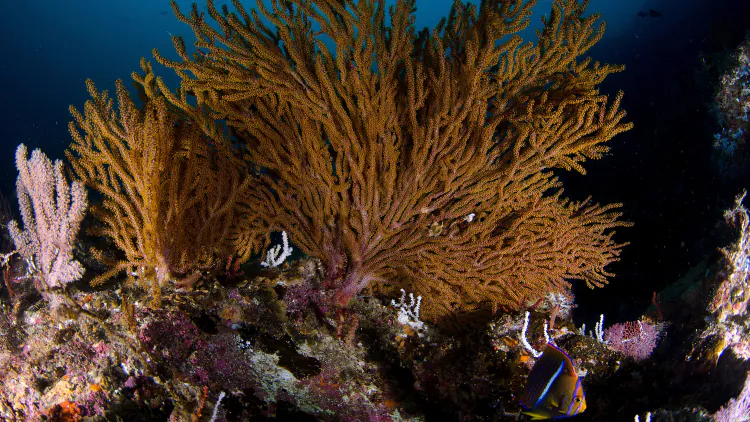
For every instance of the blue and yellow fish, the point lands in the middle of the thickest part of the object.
(553, 389)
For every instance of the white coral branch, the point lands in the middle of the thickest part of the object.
(278, 254)
(52, 212)
(408, 313)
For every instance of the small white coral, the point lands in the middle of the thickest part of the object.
(279, 253)
(408, 314)
(525, 342)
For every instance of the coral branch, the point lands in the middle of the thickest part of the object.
(377, 144)
(52, 212)
(171, 184)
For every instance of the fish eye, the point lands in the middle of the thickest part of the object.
(578, 399)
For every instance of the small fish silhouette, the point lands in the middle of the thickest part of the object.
(651, 14)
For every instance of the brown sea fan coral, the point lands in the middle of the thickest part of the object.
(421, 160)
(170, 182)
